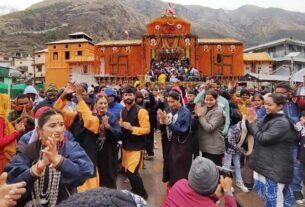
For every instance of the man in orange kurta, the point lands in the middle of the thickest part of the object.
(134, 121)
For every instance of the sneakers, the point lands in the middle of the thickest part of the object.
(242, 187)
(299, 198)
(300, 202)
(249, 186)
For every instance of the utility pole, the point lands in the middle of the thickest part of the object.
(292, 55)
(34, 69)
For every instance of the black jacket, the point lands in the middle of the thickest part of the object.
(272, 157)
(130, 141)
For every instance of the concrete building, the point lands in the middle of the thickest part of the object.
(24, 65)
(39, 64)
(6, 61)
(73, 59)
(279, 51)
(258, 63)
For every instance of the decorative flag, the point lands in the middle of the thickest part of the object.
(126, 34)
(170, 9)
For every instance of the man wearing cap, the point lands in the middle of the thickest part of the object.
(202, 187)
(51, 94)
(134, 122)
(113, 106)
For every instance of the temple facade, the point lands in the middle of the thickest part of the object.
(166, 37)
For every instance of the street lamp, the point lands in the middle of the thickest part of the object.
(291, 56)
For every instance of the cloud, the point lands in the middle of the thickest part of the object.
(7, 9)
(18, 4)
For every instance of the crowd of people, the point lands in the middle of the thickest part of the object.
(67, 147)
(172, 70)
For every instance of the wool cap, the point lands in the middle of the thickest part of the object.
(52, 88)
(110, 92)
(103, 197)
(139, 94)
(203, 176)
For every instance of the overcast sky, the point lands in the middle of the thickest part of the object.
(292, 5)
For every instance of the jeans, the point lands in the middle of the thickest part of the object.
(236, 160)
(296, 182)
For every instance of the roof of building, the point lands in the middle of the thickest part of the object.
(285, 58)
(120, 42)
(275, 43)
(42, 51)
(80, 34)
(167, 18)
(282, 70)
(299, 76)
(264, 77)
(69, 41)
(219, 41)
(260, 56)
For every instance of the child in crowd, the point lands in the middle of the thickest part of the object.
(258, 105)
(233, 152)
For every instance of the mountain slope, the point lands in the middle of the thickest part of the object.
(108, 19)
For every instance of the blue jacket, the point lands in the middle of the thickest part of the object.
(75, 168)
(183, 123)
(260, 113)
(292, 111)
(114, 133)
(115, 108)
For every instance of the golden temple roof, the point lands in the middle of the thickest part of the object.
(261, 56)
(119, 42)
(219, 41)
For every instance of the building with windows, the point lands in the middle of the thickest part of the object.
(166, 38)
(169, 37)
(6, 60)
(258, 63)
(24, 64)
(73, 59)
(39, 67)
(279, 51)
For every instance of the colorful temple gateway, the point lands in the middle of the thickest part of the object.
(166, 37)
